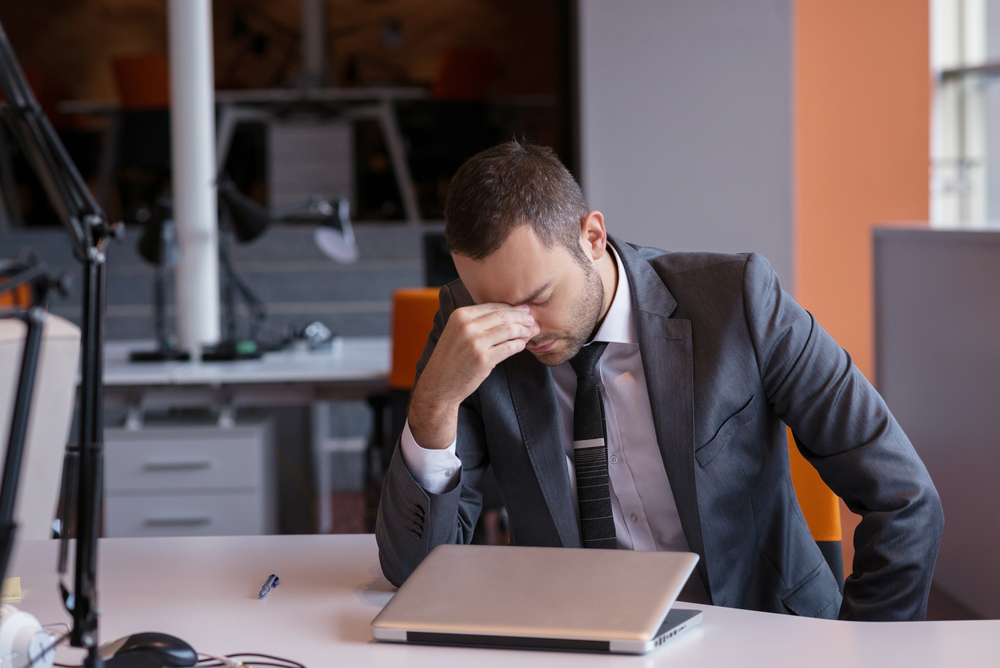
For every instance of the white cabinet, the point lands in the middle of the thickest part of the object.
(190, 480)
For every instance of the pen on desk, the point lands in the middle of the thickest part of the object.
(270, 583)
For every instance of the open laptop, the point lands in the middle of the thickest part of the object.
(615, 601)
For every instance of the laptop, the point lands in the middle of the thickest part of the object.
(616, 601)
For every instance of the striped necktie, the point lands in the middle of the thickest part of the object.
(590, 453)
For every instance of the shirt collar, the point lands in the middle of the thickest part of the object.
(618, 326)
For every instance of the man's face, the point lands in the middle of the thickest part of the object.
(564, 296)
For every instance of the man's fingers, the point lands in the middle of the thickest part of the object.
(508, 331)
(489, 332)
(479, 310)
(493, 319)
(505, 349)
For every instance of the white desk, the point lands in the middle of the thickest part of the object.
(204, 590)
(237, 106)
(377, 104)
(355, 368)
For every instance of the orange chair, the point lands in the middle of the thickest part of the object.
(413, 312)
(820, 506)
(19, 298)
(412, 320)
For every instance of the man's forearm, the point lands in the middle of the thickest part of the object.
(433, 420)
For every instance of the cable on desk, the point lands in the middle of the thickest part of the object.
(240, 664)
(53, 624)
(55, 643)
(236, 661)
(209, 660)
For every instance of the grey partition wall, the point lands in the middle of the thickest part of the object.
(686, 123)
(937, 353)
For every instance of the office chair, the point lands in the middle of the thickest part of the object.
(413, 312)
(821, 508)
(412, 320)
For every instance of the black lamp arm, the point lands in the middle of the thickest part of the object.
(90, 232)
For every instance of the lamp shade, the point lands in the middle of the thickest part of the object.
(335, 237)
(158, 243)
(333, 244)
(247, 218)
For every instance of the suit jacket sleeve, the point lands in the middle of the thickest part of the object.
(844, 429)
(412, 521)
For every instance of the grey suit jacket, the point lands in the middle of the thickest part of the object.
(729, 360)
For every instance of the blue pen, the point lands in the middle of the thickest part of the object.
(272, 581)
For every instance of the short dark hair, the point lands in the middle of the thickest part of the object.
(506, 186)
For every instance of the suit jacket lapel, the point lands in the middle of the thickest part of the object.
(668, 362)
(533, 393)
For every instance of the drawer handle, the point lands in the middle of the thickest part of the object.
(177, 521)
(194, 465)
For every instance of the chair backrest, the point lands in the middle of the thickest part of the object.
(18, 298)
(820, 506)
(413, 312)
(49, 421)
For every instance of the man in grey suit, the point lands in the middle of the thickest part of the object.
(706, 361)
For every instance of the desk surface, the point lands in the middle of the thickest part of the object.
(350, 359)
(205, 591)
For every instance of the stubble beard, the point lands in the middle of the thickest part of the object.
(586, 312)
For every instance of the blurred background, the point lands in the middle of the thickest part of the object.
(852, 143)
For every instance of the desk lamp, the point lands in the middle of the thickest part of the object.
(244, 220)
(247, 220)
(158, 246)
(90, 233)
(335, 237)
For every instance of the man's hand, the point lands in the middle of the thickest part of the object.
(475, 340)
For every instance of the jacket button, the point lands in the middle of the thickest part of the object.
(414, 535)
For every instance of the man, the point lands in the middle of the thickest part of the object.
(658, 385)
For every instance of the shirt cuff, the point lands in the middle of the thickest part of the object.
(437, 471)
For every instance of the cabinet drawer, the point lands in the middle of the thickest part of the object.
(160, 459)
(185, 515)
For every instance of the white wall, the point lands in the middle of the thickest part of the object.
(686, 123)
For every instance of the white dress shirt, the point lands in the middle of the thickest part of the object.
(644, 510)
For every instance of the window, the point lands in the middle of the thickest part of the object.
(964, 82)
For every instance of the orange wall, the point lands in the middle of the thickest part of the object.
(862, 91)
(862, 156)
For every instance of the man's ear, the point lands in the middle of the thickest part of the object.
(593, 236)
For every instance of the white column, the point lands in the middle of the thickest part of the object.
(192, 128)
(313, 42)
